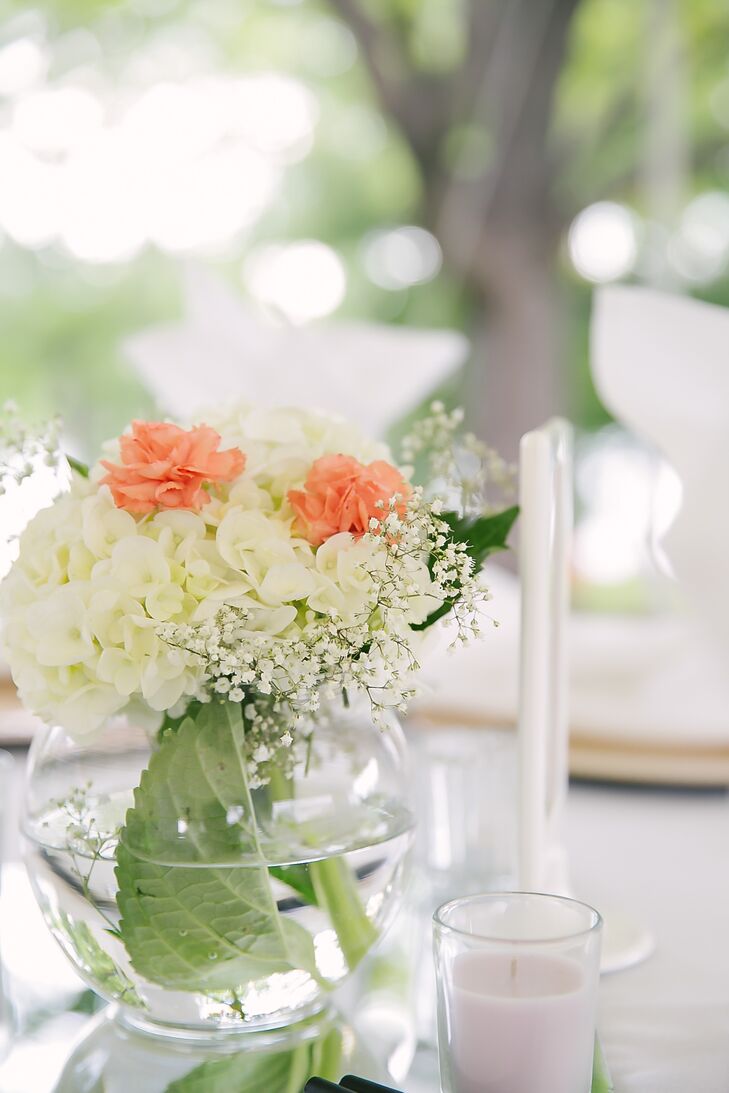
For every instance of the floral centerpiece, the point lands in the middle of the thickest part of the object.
(218, 624)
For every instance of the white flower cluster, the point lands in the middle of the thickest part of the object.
(104, 609)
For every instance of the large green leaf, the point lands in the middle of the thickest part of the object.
(197, 911)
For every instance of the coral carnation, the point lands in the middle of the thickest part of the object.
(164, 466)
(342, 494)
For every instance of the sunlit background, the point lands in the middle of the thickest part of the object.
(479, 166)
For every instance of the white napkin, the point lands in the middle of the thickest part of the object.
(224, 349)
(661, 365)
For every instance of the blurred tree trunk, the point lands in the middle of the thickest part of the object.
(515, 380)
(499, 226)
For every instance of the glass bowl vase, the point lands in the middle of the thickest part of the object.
(209, 884)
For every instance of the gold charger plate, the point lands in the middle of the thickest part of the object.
(607, 756)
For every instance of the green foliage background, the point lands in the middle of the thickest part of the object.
(62, 321)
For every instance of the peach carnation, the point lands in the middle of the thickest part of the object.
(341, 494)
(164, 466)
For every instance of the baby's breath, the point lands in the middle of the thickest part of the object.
(459, 465)
(24, 449)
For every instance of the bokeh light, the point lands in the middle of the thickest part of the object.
(401, 257)
(699, 250)
(302, 281)
(23, 64)
(603, 241)
(57, 121)
(182, 164)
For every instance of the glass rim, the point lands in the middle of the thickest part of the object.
(571, 935)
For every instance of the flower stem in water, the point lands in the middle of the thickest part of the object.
(336, 892)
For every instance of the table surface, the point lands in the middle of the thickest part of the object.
(659, 856)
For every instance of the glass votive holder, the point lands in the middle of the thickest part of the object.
(517, 976)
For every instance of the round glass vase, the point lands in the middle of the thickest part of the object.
(210, 883)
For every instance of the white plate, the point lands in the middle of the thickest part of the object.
(649, 697)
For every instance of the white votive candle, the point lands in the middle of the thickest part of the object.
(521, 1022)
(517, 986)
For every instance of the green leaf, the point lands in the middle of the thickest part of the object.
(87, 1003)
(172, 724)
(298, 878)
(97, 963)
(254, 1072)
(197, 911)
(601, 1081)
(483, 536)
(249, 1072)
(77, 466)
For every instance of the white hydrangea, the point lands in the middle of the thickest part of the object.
(82, 606)
(359, 631)
(281, 444)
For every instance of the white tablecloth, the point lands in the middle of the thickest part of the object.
(664, 857)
